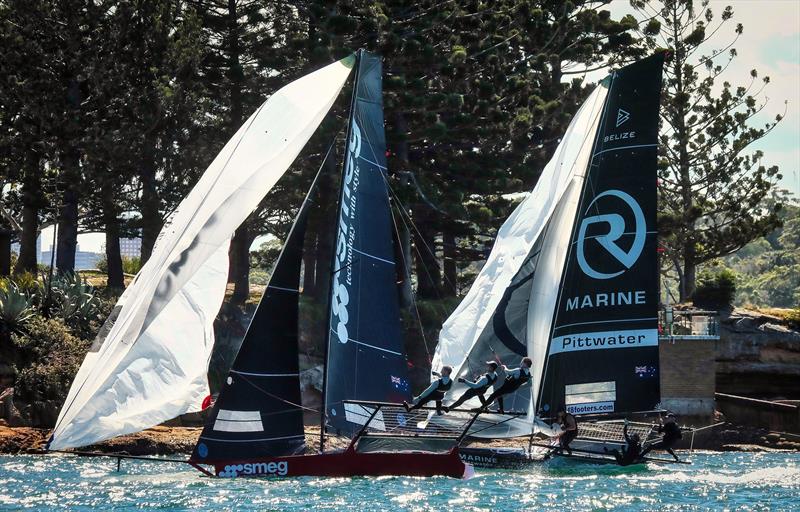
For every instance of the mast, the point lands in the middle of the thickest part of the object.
(333, 269)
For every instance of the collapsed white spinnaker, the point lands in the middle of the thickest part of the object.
(150, 364)
(492, 321)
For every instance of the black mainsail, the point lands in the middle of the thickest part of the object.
(258, 411)
(365, 357)
(603, 350)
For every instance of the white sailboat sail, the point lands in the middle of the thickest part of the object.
(150, 365)
(534, 223)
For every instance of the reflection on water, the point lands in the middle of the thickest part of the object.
(732, 481)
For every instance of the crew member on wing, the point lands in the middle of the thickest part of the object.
(515, 379)
(631, 453)
(435, 391)
(672, 434)
(477, 388)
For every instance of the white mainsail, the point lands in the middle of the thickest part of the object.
(549, 204)
(151, 364)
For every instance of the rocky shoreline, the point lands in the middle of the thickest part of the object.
(163, 440)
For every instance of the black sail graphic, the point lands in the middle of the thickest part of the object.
(365, 346)
(258, 410)
(603, 352)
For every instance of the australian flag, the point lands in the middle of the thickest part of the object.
(645, 371)
(399, 384)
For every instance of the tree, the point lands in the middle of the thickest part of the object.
(712, 186)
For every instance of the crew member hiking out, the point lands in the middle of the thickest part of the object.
(515, 379)
(672, 434)
(632, 453)
(569, 427)
(477, 388)
(435, 391)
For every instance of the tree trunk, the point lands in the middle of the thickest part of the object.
(326, 235)
(5, 251)
(114, 272)
(428, 272)
(149, 203)
(449, 264)
(239, 270)
(310, 261)
(31, 199)
(403, 252)
(403, 259)
(67, 240)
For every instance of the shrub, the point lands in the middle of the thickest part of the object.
(715, 289)
(49, 356)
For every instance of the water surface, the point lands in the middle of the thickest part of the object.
(715, 481)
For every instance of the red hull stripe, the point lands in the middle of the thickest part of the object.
(345, 464)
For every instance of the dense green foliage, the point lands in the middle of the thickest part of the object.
(768, 268)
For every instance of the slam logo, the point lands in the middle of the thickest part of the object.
(616, 229)
(343, 277)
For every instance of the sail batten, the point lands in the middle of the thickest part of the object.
(149, 363)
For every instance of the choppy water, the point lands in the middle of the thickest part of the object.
(715, 481)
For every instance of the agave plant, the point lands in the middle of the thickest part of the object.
(72, 298)
(16, 305)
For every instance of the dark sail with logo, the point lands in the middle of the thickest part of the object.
(365, 347)
(258, 411)
(603, 351)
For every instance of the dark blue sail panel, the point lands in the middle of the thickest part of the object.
(365, 346)
(258, 410)
(603, 353)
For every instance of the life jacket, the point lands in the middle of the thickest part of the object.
(442, 387)
(491, 378)
(524, 376)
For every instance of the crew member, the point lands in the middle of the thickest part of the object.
(515, 379)
(632, 453)
(435, 391)
(477, 388)
(672, 434)
(569, 425)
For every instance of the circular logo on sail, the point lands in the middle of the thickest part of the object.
(616, 229)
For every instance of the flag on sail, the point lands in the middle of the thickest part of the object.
(603, 347)
(150, 361)
(366, 360)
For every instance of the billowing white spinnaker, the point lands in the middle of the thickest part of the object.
(151, 364)
(515, 239)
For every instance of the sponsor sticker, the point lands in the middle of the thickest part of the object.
(255, 468)
(591, 408)
(604, 340)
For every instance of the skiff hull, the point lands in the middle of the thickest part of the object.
(348, 463)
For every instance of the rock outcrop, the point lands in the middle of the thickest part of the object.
(758, 356)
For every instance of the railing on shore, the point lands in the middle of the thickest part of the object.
(689, 324)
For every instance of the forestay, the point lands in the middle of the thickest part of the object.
(150, 361)
(493, 320)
